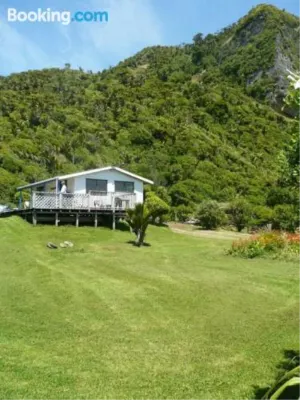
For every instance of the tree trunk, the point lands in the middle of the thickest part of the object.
(140, 238)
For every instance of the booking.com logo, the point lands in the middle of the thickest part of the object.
(48, 15)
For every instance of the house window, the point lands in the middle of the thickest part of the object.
(96, 185)
(122, 186)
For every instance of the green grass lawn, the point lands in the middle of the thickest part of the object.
(177, 320)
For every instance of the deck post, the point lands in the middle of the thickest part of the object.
(89, 201)
(113, 212)
(20, 205)
(32, 199)
(34, 218)
(56, 194)
(77, 220)
(56, 219)
(114, 220)
(96, 219)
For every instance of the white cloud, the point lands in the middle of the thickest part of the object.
(132, 25)
(18, 53)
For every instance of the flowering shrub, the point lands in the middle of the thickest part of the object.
(293, 238)
(278, 244)
(247, 248)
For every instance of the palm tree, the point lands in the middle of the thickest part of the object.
(140, 217)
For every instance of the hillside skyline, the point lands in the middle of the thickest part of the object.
(131, 27)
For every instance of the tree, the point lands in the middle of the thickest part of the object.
(291, 171)
(287, 386)
(182, 213)
(208, 138)
(286, 217)
(261, 216)
(240, 213)
(210, 215)
(140, 217)
(198, 38)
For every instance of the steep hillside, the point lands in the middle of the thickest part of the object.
(256, 52)
(183, 116)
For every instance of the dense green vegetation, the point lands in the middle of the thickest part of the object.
(179, 319)
(193, 118)
(255, 52)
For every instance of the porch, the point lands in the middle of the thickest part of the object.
(82, 201)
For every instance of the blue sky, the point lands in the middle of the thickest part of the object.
(132, 25)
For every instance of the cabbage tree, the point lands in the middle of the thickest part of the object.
(140, 217)
(286, 387)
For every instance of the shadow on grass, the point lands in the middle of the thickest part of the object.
(160, 224)
(289, 362)
(135, 245)
(122, 226)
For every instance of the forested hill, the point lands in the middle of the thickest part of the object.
(202, 119)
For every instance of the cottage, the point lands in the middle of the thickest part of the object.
(109, 190)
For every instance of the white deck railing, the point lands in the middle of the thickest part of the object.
(89, 201)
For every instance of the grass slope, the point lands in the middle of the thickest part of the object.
(178, 319)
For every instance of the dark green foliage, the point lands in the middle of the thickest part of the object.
(286, 217)
(240, 212)
(180, 115)
(210, 215)
(261, 216)
(282, 195)
(182, 213)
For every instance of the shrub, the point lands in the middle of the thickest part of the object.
(156, 206)
(239, 213)
(181, 213)
(261, 216)
(246, 248)
(278, 244)
(282, 195)
(286, 217)
(272, 241)
(210, 215)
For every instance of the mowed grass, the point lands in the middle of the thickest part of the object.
(177, 320)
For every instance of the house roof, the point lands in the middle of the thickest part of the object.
(91, 171)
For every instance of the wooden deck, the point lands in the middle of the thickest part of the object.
(76, 209)
(77, 217)
(93, 208)
(82, 201)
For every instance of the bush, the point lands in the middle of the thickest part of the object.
(275, 243)
(210, 215)
(282, 195)
(246, 249)
(239, 213)
(181, 213)
(156, 206)
(286, 217)
(261, 216)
